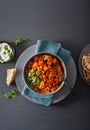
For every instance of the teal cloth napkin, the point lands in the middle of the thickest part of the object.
(53, 47)
(37, 98)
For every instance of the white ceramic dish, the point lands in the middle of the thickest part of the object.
(13, 51)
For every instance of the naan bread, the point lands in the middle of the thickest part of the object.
(10, 76)
(86, 75)
(86, 66)
(86, 62)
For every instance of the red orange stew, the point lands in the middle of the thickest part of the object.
(44, 73)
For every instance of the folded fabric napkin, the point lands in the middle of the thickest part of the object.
(53, 47)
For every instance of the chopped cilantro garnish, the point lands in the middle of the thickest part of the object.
(8, 51)
(35, 81)
(11, 94)
(1, 93)
(1, 60)
(4, 52)
(32, 77)
(37, 73)
(30, 73)
(5, 47)
(21, 40)
(10, 55)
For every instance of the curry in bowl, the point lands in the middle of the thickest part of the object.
(44, 73)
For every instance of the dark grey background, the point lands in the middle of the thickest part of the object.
(67, 21)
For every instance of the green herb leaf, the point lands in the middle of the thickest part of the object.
(4, 52)
(5, 47)
(29, 80)
(20, 41)
(31, 73)
(10, 54)
(37, 73)
(11, 94)
(1, 60)
(8, 51)
(35, 81)
(1, 93)
(6, 96)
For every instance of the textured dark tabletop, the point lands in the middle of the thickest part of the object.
(67, 21)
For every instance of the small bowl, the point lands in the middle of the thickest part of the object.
(63, 67)
(13, 50)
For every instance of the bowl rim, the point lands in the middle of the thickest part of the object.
(64, 69)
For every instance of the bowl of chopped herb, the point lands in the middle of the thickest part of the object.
(44, 73)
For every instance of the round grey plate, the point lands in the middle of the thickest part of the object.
(85, 51)
(62, 93)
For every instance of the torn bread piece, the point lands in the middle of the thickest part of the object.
(10, 76)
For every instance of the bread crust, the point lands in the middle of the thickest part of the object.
(10, 76)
